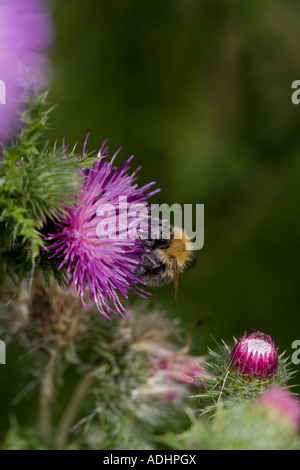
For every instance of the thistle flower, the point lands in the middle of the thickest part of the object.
(25, 32)
(160, 387)
(281, 403)
(172, 370)
(98, 238)
(255, 356)
(173, 373)
(181, 367)
(46, 317)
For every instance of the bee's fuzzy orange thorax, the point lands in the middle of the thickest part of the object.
(178, 249)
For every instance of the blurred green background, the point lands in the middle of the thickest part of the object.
(200, 92)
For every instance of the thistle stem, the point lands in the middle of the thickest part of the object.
(72, 409)
(46, 398)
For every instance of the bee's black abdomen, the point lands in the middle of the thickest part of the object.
(152, 271)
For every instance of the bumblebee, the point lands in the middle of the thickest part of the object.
(165, 258)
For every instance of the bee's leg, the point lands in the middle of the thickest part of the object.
(150, 261)
(148, 265)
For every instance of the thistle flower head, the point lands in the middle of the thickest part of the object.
(172, 370)
(98, 238)
(255, 356)
(171, 375)
(281, 403)
(180, 367)
(25, 33)
(45, 317)
(160, 387)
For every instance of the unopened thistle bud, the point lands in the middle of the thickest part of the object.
(255, 356)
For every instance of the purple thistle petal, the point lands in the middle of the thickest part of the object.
(99, 251)
(25, 33)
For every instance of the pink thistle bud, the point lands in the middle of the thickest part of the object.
(172, 374)
(281, 403)
(255, 356)
(185, 369)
